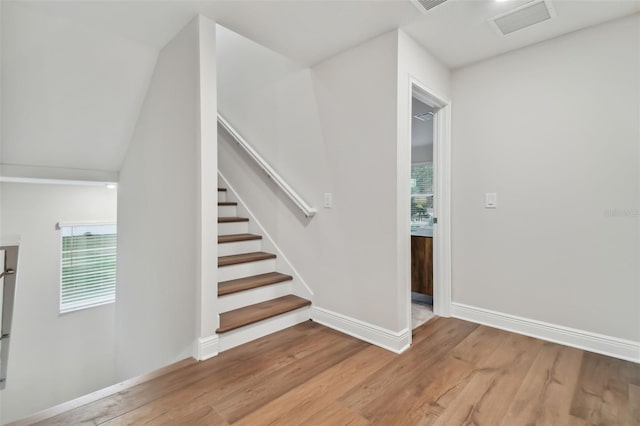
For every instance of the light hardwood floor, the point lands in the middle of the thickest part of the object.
(456, 373)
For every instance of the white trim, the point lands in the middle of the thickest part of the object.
(61, 224)
(55, 175)
(396, 342)
(593, 342)
(269, 243)
(306, 209)
(442, 206)
(43, 181)
(207, 347)
(9, 241)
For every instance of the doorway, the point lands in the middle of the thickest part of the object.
(422, 212)
(429, 188)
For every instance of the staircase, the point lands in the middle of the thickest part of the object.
(253, 298)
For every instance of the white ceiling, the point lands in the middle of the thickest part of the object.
(70, 92)
(306, 31)
(75, 74)
(458, 31)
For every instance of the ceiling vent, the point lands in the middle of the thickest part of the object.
(426, 5)
(524, 16)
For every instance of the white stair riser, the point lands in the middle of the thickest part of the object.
(253, 296)
(239, 247)
(251, 332)
(233, 228)
(222, 196)
(226, 211)
(241, 270)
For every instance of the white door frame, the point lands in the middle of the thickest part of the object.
(442, 196)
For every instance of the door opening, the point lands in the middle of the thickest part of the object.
(422, 211)
(429, 188)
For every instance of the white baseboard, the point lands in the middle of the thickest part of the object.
(396, 342)
(593, 342)
(207, 347)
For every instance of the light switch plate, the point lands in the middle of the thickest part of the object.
(490, 200)
(328, 200)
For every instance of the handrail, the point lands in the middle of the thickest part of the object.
(307, 210)
(8, 295)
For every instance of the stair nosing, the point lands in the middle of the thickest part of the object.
(301, 304)
(232, 219)
(222, 189)
(239, 238)
(261, 255)
(227, 203)
(277, 279)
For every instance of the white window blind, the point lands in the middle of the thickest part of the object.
(88, 266)
(422, 195)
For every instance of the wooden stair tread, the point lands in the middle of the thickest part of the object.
(232, 238)
(231, 219)
(260, 311)
(222, 189)
(227, 203)
(234, 259)
(247, 283)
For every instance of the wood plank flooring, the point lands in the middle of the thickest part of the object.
(456, 373)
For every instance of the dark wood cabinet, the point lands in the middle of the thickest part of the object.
(422, 265)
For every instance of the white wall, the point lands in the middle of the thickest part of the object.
(159, 212)
(53, 357)
(554, 129)
(416, 65)
(357, 99)
(333, 128)
(318, 128)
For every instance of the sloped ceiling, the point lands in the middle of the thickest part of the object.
(70, 93)
(75, 74)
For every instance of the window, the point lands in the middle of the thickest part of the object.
(88, 266)
(421, 196)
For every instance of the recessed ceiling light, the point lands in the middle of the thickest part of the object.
(111, 186)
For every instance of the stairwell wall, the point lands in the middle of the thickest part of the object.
(329, 128)
(316, 127)
(167, 187)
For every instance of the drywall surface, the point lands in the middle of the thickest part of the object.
(417, 66)
(159, 204)
(53, 357)
(207, 183)
(331, 128)
(71, 92)
(357, 100)
(554, 130)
